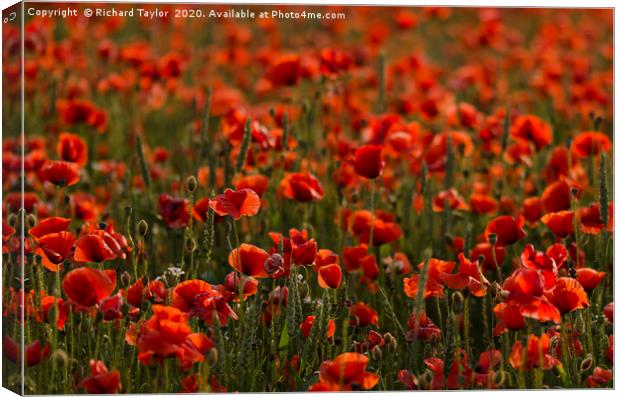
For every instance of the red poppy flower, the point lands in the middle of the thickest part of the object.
(7, 233)
(334, 62)
(54, 249)
(449, 197)
(301, 187)
(525, 288)
(352, 256)
(422, 327)
(86, 286)
(469, 276)
(200, 209)
(369, 161)
(482, 204)
(532, 209)
(589, 278)
(599, 377)
(508, 318)
(557, 196)
(346, 372)
(364, 315)
(325, 257)
(155, 291)
(59, 173)
(92, 248)
(531, 128)
(568, 295)
(235, 283)
(50, 225)
(590, 143)
(507, 229)
(112, 307)
(285, 70)
(198, 298)
(249, 260)
(244, 202)
(330, 276)
(529, 357)
(303, 253)
(590, 218)
(433, 287)
(34, 352)
(48, 303)
(306, 327)
(560, 223)
(72, 148)
(174, 211)
(541, 261)
(101, 380)
(484, 250)
(258, 183)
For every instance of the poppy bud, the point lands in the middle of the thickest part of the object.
(492, 238)
(143, 228)
(390, 341)
(574, 191)
(376, 353)
(586, 363)
(580, 325)
(425, 380)
(128, 211)
(125, 279)
(31, 220)
(190, 245)
(213, 356)
(457, 302)
(572, 272)
(304, 290)
(12, 220)
(191, 183)
(500, 378)
(60, 358)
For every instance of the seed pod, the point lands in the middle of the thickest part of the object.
(376, 353)
(12, 219)
(457, 302)
(125, 279)
(143, 228)
(213, 356)
(31, 220)
(190, 245)
(60, 357)
(390, 341)
(425, 380)
(500, 378)
(580, 325)
(191, 183)
(492, 238)
(574, 191)
(586, 363)
(572, 272)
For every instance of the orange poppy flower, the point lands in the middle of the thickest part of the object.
(72, 148)
(531, 128)
(33, 351)
(244, 202)
(334, 62)
(59, 173)
(92, 248)
(482, 204)
(154, 291)
(200, 209)
(589, 278)
(450, 197)
(540, 261)
(529, 356)
(599, 377)
(200, 299)
(330, 276)
(249, 260)
(590, 218)
(484, 250)
(54, 249)
(346, 372)
(101, 380)
(285, 70)
(568, 295)
(560, 223)
(532, 209)
(174, 211)
(86, 286)
(306, 327)
(50, 225)
(590, 143)
(507, 229)
(364, 315)
(258, 183)
(301, 187)
(469, 276)
(508, 318)
(422, 327)
(235, 283)
(368, 161)
(557, 196)
(352, 256)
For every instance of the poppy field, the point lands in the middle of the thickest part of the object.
(310, 199)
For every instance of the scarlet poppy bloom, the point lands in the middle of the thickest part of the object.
(352, 256)
(568, 295)
(60, 173)
(285, 70)
(234, 284)
(422, 327)
(86, 286)
(325, 257)
(434, 286)
(54, 249)
(589, 278)
(560, 223)
(7, 233)
(507, 229)
(154, 291)
(540, 261)
(47, 304)
(590, 218)
(101, 380)
(482, 204)
(532, 209)
(531, 128)
(72, 148)
(384, 231)
(525, 289)
(508, 318)
(258, 183)
(485, 250)
(200, 209)
(92, 248)
(249, 260)
(590, 143)
(469, 276)
(50, 225)
(334, 62)
(369, 161)
(608, 311)
(198, 298)
(364, 315)
(450, 198)
(599, 377)
(76, 111)
(301, 187)
(33, 351)
(174, 211)
(244, 202)
(557, 196)
(346, 372)
(304, 252)
(330, 276)
(306, 327)
(112, 307)
(530, 356)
